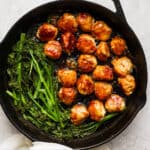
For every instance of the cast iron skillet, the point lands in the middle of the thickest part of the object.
(118, 22)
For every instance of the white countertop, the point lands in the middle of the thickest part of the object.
(137, 135)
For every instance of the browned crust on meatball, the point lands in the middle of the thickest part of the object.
(67, 77)
(103, 90)
(67, 22)
(86, 44)
(79, 114)
(85, 85)
(103, 51)
(115, 103)
(53, 49)
(67, 95)
(122, 66)
(118, 45)
(127, 84)
(104, 72)
(68, 42)
(101, 30)
(96, 110)
(87, 63)
(85, 21)
(46, 32)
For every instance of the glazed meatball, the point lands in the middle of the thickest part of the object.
(101, 31)
(67, 95)
(102, 52)
(115, 103)
(68, 42)
(86, 44)
(85, 21)
(67, 77)
(46, 32)
(103, 90)
(96, 110)
(127, 84)
(87, 63)
(118, 45)
(53, 49)
(104, 72)
(67, 22)
(122, 66)
(79, 114)
(85, 85)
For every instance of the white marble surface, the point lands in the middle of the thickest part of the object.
(137, 135)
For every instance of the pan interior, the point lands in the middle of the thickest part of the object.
(109, 129)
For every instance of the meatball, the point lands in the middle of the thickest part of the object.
(104, 72)
(53, 49)
(96, 110)
(68, 42)
(46, 32)
(102, 52)
(103, 90)
(85, 21)
(86, 44)
(79, 114)
(67, 22)
(118, 45)
(101, 30)
(85, 85)
(127, 84)
(67, 77)
(87, 63)
(67, 95)
(122, 66)
(115, 103)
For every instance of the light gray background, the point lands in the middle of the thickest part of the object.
(137, 135)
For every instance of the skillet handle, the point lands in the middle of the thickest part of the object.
(0, 69)
(119, 9)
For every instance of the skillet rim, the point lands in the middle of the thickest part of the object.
(133, 115)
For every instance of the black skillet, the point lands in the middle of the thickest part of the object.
(118, 22)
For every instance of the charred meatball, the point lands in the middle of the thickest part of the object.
(67, 95)
(67, 22)
(115, 103)
(87, 63)
(104, 72)
(101, 31)
(85, 85)
(96, 110)
(86, 44)
(68, 42)
(102, 52)
(53, 49)
(122, 66)
(79, 114)
(67, 77)
(127, 84)
(103, 90)
(85, 21)
(118, 45)
(46, 32)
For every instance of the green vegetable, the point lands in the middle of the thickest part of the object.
(33, 88)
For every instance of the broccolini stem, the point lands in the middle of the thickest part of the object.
(42, 109)
(21, 42)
